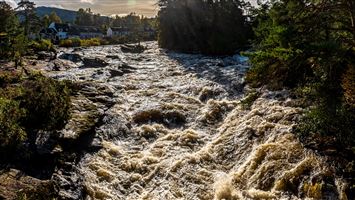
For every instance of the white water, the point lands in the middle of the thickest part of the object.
(177, 131)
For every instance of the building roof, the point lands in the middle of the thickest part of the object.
(75, 29)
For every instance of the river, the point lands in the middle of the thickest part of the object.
(176, 129)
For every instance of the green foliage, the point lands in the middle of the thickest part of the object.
(211, 27)
(45, 21)
(91, 42)
(77, 42)
(53, 17)
(47, 103)
(31, 22)
(11, 133)
(29, 104)
(12, 41)
(310, 45)
(340, 125)
(41, 45)
(9, 78)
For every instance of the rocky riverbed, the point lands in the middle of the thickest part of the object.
(160, 125)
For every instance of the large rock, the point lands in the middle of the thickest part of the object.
(132, 48)
(84, 118)
(71, 56)
(15, 184)
(94, 63)
(45, 55)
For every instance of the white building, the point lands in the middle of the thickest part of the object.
(65, 31)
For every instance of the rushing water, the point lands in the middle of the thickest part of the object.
(177, 130)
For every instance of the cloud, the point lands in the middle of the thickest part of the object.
(12, 3)
(87, 1)
(108, 7)
(56, 6)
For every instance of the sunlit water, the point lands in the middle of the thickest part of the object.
(177, 130)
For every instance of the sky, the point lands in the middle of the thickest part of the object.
(104, 7)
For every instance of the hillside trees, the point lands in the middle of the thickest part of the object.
(206, 26)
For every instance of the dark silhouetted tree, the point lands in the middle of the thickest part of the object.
(207, 26)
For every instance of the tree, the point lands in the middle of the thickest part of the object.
(206, 26)
(31, 21)
(310, 44)
(46, 21)
(85, 17)
(53, 17)
(12, 43)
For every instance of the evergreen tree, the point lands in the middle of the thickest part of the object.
(53, 17)
(31, 21)
(12, 40)
(85, 17)
(46, 21)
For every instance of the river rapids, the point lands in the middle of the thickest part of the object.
(176, 129)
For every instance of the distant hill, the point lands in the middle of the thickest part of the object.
(65, 15)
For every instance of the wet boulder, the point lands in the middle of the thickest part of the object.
(71, 56)
(114, 73)
(45, 55)
(69, 183)
(94, 63)
(84, 118)
(133, 48)
(115, 57)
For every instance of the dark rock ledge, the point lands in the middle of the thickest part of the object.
(52, 172)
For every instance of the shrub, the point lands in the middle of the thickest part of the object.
(77, 42)
(319, 122)
(66, 43)
(41, 45)
(9, 78)
(74, 42)
(28, 104)
(90, 42)
(11, 133)
(47, 103)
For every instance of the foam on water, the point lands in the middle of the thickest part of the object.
(178, 131)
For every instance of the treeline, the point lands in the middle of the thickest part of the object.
(204, 26)
(85, 17)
